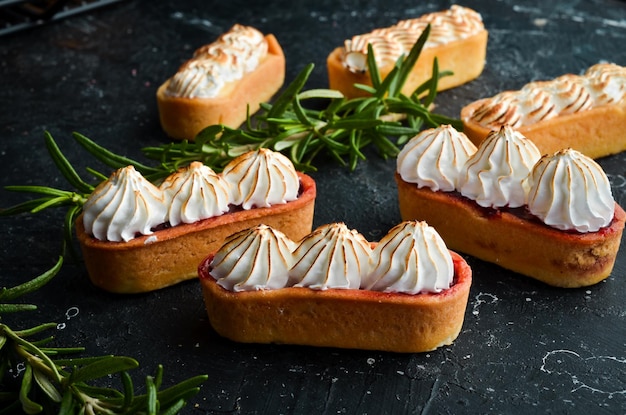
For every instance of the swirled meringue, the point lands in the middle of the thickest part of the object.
(194, 193)
(229, 58)
(122, 206)
(602, 84)
(434, 158)
(412, 258)
(570, 191)
(496, 175)
(392, 42)
(268, 258)
(332, 256)
(261, 178)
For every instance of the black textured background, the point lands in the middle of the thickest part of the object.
(525, 347)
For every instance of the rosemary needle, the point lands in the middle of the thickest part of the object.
(340, 130)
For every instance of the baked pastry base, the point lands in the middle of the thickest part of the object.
(521, 244)
(184, 118)
(465, 58)
(353, 319)
(172, 255)
(597, 132)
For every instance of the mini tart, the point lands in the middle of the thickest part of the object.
(183, 118)
(342, 318)
(596, 132)
(464, 57)
(172, 255)
(514, 239)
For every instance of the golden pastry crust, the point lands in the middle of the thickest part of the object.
(183, 118)
(596, 132)
(518, 243)
(355, 319)
(172, 255)
(464, 57)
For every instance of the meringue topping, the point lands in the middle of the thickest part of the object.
(194, 193)
(602, 84)
(127, 205)
(496, 175)
(268, 258)
(412, 258)
(261, 178)
(234, 54)
(434, 158)
(570, 191)
(332, 256)
(122, 206)
(392, 42)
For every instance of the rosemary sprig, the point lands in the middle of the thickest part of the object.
(34, 379)
(342, 129)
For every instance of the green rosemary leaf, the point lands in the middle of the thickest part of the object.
(320, 93)
(182, 390)
(285, 99)
(152, 396)
(300, 112)
(428, 84)
(370, 90)
(129, 394)
(175, 408)
(103, 367)
(68, 229)
(405, 68)
(96, 174)
(28, 406)
(54, 351)
(110, 395)
(41, 342)
(395, 129)
(433, 82)
(44, 190)
(373, 67)
(34, 330)
(67, 404)
(109, 158)
(64, 165)
(24, 207)
(47, 386)
(8, 294)
(356, 123)
(56, 201)
(15, 308)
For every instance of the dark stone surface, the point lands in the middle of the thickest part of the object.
(525, 347)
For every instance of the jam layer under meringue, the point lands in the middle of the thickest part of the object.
(566, 232)
(389, 320)
(171, 255)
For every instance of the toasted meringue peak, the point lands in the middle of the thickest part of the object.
(496, 175)
(261, 178)
(123, 206)
(194, 193)
(434, 158)
(268, 257)
(412, 258)
(606, 83)
(602, 84)
(570, 191)
(234, 54)
(332, 256)
(392, 42)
